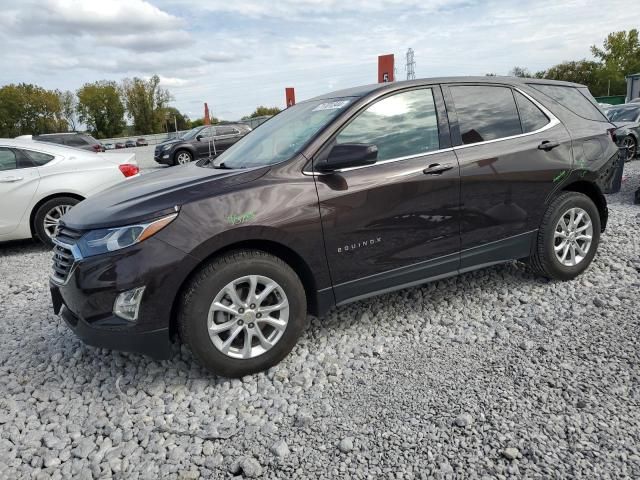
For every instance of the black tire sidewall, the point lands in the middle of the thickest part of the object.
(557, 269)
(209, 282)
(38, 219)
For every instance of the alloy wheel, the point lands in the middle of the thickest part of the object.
(248, 316)
(573, 236)
(52, 218)
(184, 158)
(630, 144)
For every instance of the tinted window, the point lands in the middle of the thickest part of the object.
(531, 117)
(206, 132)
(226, 131)
(50, 139)
(75, 141)
(485, 113)
(7, 159)
(572, 99)
(400, 125)
(38, 158)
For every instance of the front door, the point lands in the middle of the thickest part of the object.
(205, 143)
(18, 183)
(393, 223)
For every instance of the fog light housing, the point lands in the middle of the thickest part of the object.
(127, 304)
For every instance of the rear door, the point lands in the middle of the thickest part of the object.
(395, 222)
(512, 152)
(18, 183)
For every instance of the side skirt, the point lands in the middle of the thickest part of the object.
(493, 253)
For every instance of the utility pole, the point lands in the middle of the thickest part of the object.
(411, 65)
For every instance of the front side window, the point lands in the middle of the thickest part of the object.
(401, 125)
(485, 113)
(573, 99)
(7, 159)
(531, 116)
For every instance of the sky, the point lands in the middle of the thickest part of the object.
(238, 54)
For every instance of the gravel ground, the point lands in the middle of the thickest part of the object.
(495, 373)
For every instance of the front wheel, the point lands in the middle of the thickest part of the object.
(568, 237)
(48, 216)
(630, 144)
(182, 157)
(243, 313)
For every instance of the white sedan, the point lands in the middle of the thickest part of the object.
(39, 182)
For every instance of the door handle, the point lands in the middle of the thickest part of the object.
(547, 145)
(436, 169)
(10, 179)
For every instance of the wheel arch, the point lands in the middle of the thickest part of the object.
(592, 191)
(186, 147)
(285, 253)
(42, 201)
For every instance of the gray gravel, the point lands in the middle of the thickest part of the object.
(492, 374)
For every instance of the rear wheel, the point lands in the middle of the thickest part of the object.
(243, 313)
(631, 146)
(182, 157)
(48, 216)
(568, 237)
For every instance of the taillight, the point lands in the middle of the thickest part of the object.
(97, 148)
(612, 134)
(129, 170)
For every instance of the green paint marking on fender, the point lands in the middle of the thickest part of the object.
(242, 218)
(560, 176)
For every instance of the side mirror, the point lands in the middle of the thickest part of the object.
(199, 137)
(348, 155)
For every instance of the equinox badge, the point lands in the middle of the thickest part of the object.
(355, 246)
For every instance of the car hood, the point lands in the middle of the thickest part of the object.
(170, 142)
(627, 124)
(155, 194)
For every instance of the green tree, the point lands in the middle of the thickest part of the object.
(586, 72)
(181, 120)
(100, 108)
(520, 72)
(69, 108)
(146, 102)
(262, 111)
(198, 122)
(29, 109)
(620, 56)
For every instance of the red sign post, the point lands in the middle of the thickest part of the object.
(385, 68)
(207, 119)
(290, 95)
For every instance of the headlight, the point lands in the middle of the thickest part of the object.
(167, 147)
(106, 240)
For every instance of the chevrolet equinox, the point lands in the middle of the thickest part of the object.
(338, 198)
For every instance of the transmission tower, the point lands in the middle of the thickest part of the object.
(411, 65)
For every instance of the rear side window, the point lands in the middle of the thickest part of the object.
(75, 141)
(573, 99)
(531, 116)
(401, 125)
(485, 113)
(7, 159)
(38, 158)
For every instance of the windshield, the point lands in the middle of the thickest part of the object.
(283, 136)
(623, 114)
(191, 133)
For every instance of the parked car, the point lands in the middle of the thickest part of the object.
(141, 142)
(199, 142)
(42, 181)
(627, 118)
(73, 139)
(120, 145)
(336, 199)
(130, 143)
(109, 146)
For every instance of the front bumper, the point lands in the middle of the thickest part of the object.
(163, 157)
(85, 300)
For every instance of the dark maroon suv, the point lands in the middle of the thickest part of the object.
(338, 198)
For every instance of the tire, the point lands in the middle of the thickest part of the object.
(182, 157)
(545, 261)
(213, 280)
(632, 147)
(48, 214)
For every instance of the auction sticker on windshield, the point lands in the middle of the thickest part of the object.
(331, 105)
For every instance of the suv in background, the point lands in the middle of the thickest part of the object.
(336, 199)
(199, 142)
(78, 140)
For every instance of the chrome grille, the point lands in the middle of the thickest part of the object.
(63, 258)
